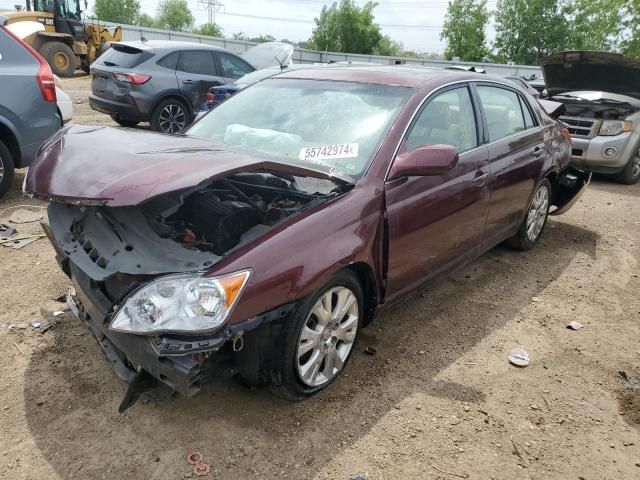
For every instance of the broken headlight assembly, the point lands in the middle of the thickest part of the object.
(615, 127)
(184, 303)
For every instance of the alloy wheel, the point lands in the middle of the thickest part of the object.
(635, 166)
(172, 119)
(327, 337)
(537, 213)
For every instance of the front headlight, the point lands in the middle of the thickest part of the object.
(615, 127)
(185, 303)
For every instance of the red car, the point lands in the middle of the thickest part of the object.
(278, 223)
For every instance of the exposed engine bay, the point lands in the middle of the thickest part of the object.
(601, 109)
(227, 212)
(182, 231)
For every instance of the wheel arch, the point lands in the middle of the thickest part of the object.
(176, 94)
(10, 139)
(364, 274)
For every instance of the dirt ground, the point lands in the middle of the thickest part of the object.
(438, 396)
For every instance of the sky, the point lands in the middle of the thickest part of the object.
(415, 23)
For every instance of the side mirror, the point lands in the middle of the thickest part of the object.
(425, 161)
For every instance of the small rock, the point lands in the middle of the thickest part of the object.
(421, 352)
(156, 459)
(467, 408)
(611, 445)
(536, 299)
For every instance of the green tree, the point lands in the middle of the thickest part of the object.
(239, 36)
(463, 30)
(145, 20)
(595, 24)
(118, 11)
(527, 30)
(387, 46)
(210, 29)
(174, 15)
(345, 27)
(630, 44)
(263, 39)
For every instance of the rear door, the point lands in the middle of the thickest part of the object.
(197, 72)
(517, 152)
(232, 67)
(437, 222)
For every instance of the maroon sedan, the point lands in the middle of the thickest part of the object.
(276, 225)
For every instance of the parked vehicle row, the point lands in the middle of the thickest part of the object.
(28, 110)
(275, 226)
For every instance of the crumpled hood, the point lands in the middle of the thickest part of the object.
(595, 71)
(123, 167)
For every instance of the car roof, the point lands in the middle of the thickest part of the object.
(397, 75)
(169, 45)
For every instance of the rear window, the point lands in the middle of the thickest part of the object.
(123, 56)
(169, 61)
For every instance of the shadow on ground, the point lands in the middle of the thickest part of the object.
(72, 396)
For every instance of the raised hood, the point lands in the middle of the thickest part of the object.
(122, 167)
(596, 71)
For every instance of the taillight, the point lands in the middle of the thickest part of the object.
(211, 97)
(566, 134)
(132, 78)
(44, 76)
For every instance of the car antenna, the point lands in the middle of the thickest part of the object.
(282, 65)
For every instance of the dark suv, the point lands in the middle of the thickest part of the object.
(28, 110)
(161, 82)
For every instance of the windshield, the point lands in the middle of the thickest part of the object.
(335, 127)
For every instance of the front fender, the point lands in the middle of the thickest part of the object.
(302, 254)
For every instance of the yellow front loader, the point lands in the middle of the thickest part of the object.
(54, 28)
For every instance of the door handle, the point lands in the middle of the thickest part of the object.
(480, 178)
(189, 82)
(537, 151)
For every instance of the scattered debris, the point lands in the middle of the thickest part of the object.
(370, 351)
(536, 299)
(200, 468)
(35, 324)
(58, 313)
(519, 357)
(455, 474)
(573, 325)
(632, 383)
(20, 242)
(6, 231)
(18, 348)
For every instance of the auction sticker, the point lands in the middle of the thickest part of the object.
(329, 152)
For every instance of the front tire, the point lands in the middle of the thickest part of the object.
(320, 338)
(631, 173)
(6, 169)
(60, 57)
(171, 116)
(534, 222)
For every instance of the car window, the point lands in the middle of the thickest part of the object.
(233, 67)
(528, 118)
(447, 119)
(169, 61)
(123, 56)
(197, 61)
(503, 111)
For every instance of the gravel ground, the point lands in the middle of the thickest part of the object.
(437, 400)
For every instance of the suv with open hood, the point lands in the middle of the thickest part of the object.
(601, 93)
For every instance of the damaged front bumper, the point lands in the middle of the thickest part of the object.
(174, 361)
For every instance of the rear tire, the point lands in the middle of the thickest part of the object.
(631, 173)
(6, 169)
(171, 115)
(124, 123)
(534, 221)
(333, 350)
(60, 57)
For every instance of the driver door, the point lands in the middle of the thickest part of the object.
(437, 222)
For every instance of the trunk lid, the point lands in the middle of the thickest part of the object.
(595, 71)
(94, 165)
